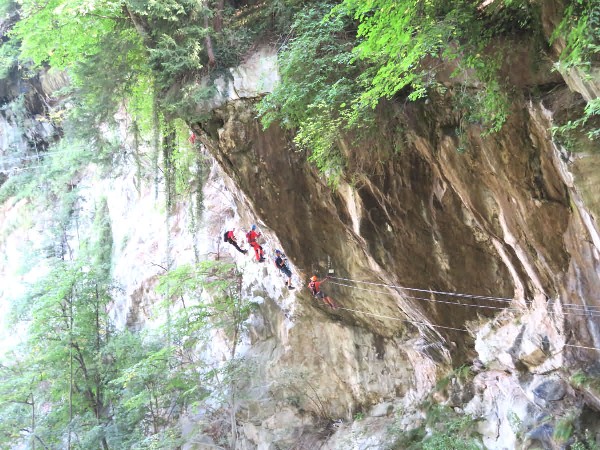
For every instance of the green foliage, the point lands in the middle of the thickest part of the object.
(15, 186)
(60, 32)
(563, 429)
(16, 400)
(515, 422)
(182, 41)
(68, 330)
(396, 36)
(220, 280)
(570, 132)
(443, 430)
(318, 85)
(105, 59)
(316, 56)
(61, 166)
(7, 7)
(154, 387)
(54, 177)
(71, 352)
(462, 374)
(277, 15)
(9, 53)
(100, 247)
(126, 390)
(191, 279)
(157, 59)
(186, 163)
(214, 289)
(399, 38)
(579, 29)
(581, 380)
(17, 112)
(586, 443)
(171, 58)
(333, 75)
(103, 81)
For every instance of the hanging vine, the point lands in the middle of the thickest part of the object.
(155, 140)
(169, 142)
(136, 155)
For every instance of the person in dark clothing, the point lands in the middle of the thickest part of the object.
(251, 236)
(281, 264)
(315, 289)
(231, 239)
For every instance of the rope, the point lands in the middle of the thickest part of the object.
(582, 346)
(446, 328)
(431, 300)
(420, 298)
(456, 294)
(589, 314)
(573, 309)
(483, 297)
(402, 320)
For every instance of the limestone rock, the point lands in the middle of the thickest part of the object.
(550, 390)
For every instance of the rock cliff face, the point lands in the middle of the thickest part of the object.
(431, 210)
(444, 246)
(24, 127)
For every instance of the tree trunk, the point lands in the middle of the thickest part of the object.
(33, 421)
(218, 20)
(232, 420)
(208, 43)
(140, 26)
(70, 371)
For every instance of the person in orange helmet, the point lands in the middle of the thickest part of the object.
(315, 289)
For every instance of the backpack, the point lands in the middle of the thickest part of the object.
(225, 236)
(283, 261)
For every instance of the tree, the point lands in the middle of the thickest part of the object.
(217, 304)
(18, 400)
(398, 38)
(63, 367)
(61, 32)
(318, 86)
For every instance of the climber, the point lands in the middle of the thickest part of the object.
(281, 264)
(251, 236)
(315, 288)
(230, 238)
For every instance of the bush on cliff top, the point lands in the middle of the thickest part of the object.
(341, 62)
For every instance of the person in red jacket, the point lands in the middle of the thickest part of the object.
(251, 236)
(230, 238)
(315, 289)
